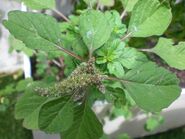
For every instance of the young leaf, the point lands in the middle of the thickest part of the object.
(28, 107)
(39, 4)
(151, 87)
(85, 126)
(94, 29)
(117, 57)
(119, 29)
(149, 17)
(173, 55)
(36, 31)
(111, 51)
(128, 4)
(56, 115)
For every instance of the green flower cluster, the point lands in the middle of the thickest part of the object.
(84, 76)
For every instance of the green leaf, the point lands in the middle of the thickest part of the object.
(85, 126)
(19, 46)
(39, 4)
(8, 90)
(108, 3)
(104, 136)
(123, 136)
(151, 87)
(132, 58)
(3, 108)
(149, 17)
(28, 107)
(72, 38)
(94, 95)
(153, 122)
(22, 84)
(36, 31)
(71, 65)
(90, 3)
(115, 96)
(124, 111)
(94, 29)
(129, 4)
(174, 55)
(56, 115)
(116, 69)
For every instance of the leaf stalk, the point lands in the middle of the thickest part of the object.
(145, 50)
(126, 36)
(123, 14)
(61, 15)
(70, 53)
